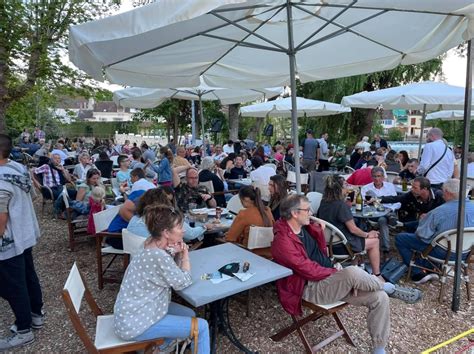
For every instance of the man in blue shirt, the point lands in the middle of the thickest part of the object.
(435, 222)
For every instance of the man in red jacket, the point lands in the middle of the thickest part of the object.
(300, 245)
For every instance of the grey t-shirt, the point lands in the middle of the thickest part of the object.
(145, 292)
(338, 213)
(310, 146)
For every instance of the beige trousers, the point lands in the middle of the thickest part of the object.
(356, 287)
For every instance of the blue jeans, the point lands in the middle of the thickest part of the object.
(406, 242)
(177, 324)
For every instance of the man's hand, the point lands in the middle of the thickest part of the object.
(338, 266)
(206, 197)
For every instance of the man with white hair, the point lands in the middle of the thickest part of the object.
(438, 220)
(437, 159)
(364, 144)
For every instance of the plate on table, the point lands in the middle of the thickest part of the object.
(212, 212)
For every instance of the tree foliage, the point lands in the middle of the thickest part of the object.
(33, 41)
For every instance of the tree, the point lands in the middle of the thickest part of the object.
(33, 39)
(394, 134)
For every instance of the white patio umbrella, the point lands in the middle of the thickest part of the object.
(448, 115)
(267, 43)
(138, 97)
(283, 108)
(423, 96)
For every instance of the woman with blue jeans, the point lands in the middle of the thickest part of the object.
(143, 309)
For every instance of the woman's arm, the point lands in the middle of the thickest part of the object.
(81, 193)
(353, 229)
(237, 228)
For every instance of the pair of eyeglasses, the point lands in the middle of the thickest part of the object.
(308, 210)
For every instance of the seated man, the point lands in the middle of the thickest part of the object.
(238, 170)
(191, 192)
(180, 158)
(262, 173)
(54, 175)
(436, 221)
(409, 173)
(300, 245)
(415, 203)
(380, 188)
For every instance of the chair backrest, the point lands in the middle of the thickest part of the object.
(272, 165)
(103, 218)
(65, 197)
(132, 244)
(105, 168)
(315, 200)
(391, 176)
(73, 292)
(348, 169)
(234, 205)
(334, 237)
(447, 240)
(260, 237)
(264, 191)
(114, 160)
(288, 166)
(208, 185)
(291, 177)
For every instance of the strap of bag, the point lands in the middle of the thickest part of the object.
(433, 165)
(195, 333)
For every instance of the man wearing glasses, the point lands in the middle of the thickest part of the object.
(299, 244)
(377, 189)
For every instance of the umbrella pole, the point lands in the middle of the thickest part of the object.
(294, 114)
(201, 112)
(193, 123)
(462, 189)
(423, 118)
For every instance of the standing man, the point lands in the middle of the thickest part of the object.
(309, 146)
(379, 142)
(323, 153)
(437, 160)
(19, 232)
(39, 134)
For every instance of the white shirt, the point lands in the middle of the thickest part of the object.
(363, 144)
(443, 169)
(219, 157)
(388, 189)
(142, 185)
(470, 170)
(228, 149)
(262, 175)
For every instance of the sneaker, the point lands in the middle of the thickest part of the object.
(37, 322)
(17, 339)
(423, 278)
(409, 295)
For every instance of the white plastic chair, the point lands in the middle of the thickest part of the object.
(315, 200)
(234, 205)
(272, 165)
(260, 237)
(264, 191)
(291, 177)
(208, 185)
(105, 339)
(391, 176)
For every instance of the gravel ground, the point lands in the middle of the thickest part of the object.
(414, 327)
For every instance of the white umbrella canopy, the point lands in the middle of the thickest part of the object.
(282, 108)
(426, 95)
(244, 43)
(448, 115)
(138, 97)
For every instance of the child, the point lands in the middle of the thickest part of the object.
(164, 168)
(124, 174)
(97, 204)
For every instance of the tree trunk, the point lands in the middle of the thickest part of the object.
(3, 112)
(168, 131)
(361, 123)
(255, 130)
(234, 121)
(175, 129)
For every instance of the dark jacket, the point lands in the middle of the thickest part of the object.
(383, 143)
(205, 176)
(412, 207)
(289, 251)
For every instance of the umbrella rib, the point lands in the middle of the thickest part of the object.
(243, 39)
(188, 37)
(386, 8)
(345, 29)
(323, 26)
(239, 43)
(249, 31)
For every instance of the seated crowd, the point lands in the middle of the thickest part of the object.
(158, 190)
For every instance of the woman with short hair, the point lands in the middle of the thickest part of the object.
(143, 310)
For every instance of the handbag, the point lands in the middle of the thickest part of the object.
(393, 270)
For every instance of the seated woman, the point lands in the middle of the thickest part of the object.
(278, 191)
(84, 165)
(254, 214)
(206, 174)
(165, 196)
(143, 310)
(334, 209)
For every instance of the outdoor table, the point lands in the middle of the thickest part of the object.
(204, 292)
(243, 181)
(369, 212)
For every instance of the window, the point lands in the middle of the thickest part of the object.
(413, 121)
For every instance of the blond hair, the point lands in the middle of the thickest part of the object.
(98, 194)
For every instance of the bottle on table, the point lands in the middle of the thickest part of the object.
(404, 185)
(359, 201)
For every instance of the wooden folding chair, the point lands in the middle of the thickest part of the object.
(77, 228)
(318, 311)
(105, 340)
(102, 221)
(443, 266)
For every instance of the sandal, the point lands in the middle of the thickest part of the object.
(409, 295)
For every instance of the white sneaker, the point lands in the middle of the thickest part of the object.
(17, 339)
(37, 322)
(427, 278)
